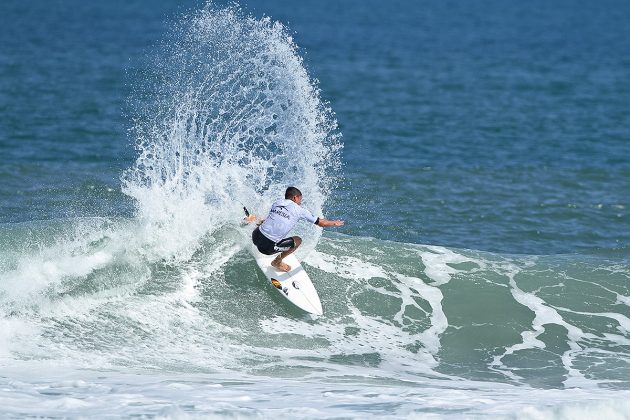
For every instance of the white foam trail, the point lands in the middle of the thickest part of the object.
(437, 260)
(544, 314)
(372, 336)
(616, 270)
(624, 300)
(622, 320)
(436, 266)
(407, 288)
(346, 267)
(430, 338)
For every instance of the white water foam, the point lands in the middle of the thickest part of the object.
(407, 289)
(347, 267)
(625, 300)
(100, 393)
(430, 337)
(436, 262)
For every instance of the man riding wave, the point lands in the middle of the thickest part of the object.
(270, 235)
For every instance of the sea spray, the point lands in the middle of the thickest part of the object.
(227, 114)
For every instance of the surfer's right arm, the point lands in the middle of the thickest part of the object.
(253, 218)
(322, 222)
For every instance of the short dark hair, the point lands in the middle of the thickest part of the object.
(292, 192)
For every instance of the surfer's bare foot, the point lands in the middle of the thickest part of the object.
(277, 263)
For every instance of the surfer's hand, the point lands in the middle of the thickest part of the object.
(321, 222)
(249, 219)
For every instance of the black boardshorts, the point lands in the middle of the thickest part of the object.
(267, 246)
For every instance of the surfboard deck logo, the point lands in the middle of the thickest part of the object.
(295, 285)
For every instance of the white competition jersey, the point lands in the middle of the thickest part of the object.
(284, 214)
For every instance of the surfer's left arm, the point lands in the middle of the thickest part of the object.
(319, 221)
(322, 222)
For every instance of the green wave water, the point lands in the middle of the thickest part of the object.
(88, 290)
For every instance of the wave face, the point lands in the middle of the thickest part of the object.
(403, 321)
(392, 310)
(227, 114)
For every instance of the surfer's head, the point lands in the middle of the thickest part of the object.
(293, 194)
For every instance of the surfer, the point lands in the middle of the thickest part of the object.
(270, 235)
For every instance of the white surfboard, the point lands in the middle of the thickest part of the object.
(294, 285)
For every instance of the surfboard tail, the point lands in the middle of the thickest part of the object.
(295, 285)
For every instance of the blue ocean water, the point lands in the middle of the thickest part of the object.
(478, 152)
